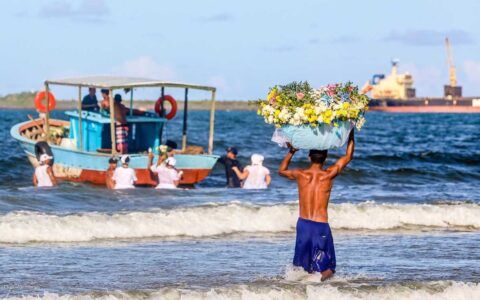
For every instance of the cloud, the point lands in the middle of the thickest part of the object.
(341, 39)
(227, 89)
(429, 37)
(221, 17)
(472, 71)
(87, 10)
(284, 48)
(145, 66)
(344, 39)
(428, 80)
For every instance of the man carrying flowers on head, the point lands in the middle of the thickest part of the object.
(314, 249)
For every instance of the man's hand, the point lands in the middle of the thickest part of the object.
(351, 136)
(291, 148)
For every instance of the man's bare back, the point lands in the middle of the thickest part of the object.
(315, 183)
(314, 248)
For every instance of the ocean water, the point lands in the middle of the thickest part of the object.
(405, 216)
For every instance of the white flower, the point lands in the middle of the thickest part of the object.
(320, 107)
(284, 115)
(360, 122)
(268, 109)
(270, 119)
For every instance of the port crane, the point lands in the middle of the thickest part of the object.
(451, 90)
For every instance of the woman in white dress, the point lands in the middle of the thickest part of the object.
(43, 175)
(255, 176)
(124, 176)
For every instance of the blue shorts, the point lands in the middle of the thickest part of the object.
(314, 249)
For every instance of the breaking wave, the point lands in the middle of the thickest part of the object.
(219, 219)
(424, 291)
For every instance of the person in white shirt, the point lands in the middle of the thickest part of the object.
(43, 175)
(124, 176)
(255, 176)
(168, 176)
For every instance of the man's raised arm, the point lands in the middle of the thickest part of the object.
(343, 161)
(283, 169)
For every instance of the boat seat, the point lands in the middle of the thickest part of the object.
(104, 150)
(193, 150)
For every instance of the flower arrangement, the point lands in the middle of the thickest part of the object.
(298, 104)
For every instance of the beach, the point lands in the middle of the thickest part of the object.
(404, 214)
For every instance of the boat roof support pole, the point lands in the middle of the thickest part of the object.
(46, 125)
(131, 102)
(80, 127)
(185, 116)
(162, 107)
(162, 115)
(212, 123)
(112, 123)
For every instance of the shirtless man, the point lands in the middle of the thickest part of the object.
(314, 250)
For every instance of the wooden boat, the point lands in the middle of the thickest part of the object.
(82, 146)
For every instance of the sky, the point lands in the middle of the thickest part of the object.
(241, 47)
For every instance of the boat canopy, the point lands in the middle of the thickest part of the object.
(118, 82)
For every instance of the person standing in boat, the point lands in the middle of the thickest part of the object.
(124, 177)
(112, 166)
(230, 161)
(255, 176)
(105, 104)
(121, 126)
(43, 175)
(90, 102)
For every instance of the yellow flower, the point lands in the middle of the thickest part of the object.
(345, 105)
(342, 113)
(277, 112)
(272, 94)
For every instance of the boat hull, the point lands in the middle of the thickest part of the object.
(91, 167)
(426, 105)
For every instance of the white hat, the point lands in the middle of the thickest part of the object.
(171, 161)
(257, 159)
(125, 159)
(44, 157)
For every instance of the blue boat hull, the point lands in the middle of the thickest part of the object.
(83, 166)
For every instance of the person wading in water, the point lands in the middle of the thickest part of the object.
(314, 250)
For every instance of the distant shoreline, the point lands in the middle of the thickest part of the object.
(25, 101)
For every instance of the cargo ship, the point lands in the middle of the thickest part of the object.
(395, 93)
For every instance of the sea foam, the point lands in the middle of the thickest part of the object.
(420, 291)
(219, 219)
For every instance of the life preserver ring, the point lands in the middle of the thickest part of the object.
(173, 103)
(40, 97)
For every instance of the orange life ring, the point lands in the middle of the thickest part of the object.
(173, 103)
(40, 97)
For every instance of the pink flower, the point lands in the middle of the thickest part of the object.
(300, 96)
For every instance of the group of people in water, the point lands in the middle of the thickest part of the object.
(314, 247)
(120, 175)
